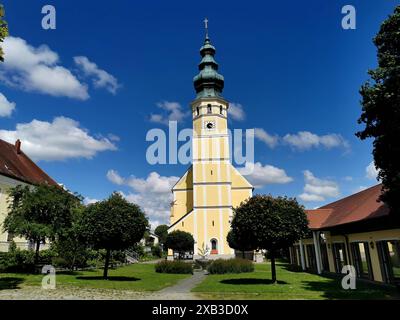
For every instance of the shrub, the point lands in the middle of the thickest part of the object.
(156, 251)
(221, 266)
(174, 267)
(17, 261)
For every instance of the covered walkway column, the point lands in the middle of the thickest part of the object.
(317, 251)
(303, 263)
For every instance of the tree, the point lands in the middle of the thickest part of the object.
(113, 224)
(265, 222)
(68, 245)
(238, 242)
(180, 241)
(3, 30)
(161, 232)
(39, 212)
(381, 110)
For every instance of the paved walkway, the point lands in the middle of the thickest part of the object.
(180, 291)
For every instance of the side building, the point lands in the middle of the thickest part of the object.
(357, 230)
(16, 168)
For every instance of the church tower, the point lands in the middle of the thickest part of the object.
(204, 197)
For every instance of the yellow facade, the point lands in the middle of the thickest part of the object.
(5, 184)
(205, 195)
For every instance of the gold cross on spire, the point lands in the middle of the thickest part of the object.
(206, 26)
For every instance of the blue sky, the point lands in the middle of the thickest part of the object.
(288, 66)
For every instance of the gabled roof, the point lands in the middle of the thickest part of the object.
(359, 206)
(17, 165)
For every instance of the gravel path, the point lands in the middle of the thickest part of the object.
(180, 291)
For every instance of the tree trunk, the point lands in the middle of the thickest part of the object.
(36, 260)
(106, 263)
(273, 269)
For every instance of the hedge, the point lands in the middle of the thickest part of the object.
(179, 267)
(221, 266)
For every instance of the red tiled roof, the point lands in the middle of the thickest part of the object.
(19, 166)
(359, 206)
(317, 217)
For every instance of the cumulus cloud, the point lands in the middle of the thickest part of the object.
(172, 111)
(236, 111)
(305, 140)
(6, 107)
(262, 175)
(270, 140)
(58, 140)
(101, 78)
(153, 193)
(38, 69)
(371, 172)
(316, 189)
(88, 200)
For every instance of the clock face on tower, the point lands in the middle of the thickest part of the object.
(210, 125)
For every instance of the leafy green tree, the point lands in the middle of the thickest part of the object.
(180, 241)
(239, 242)
(113, 224)
(3, 30)
(161, 232)
(265, 222)
(68, 245)
(39, 212)
(381, 109)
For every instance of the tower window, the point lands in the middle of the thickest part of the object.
(213, 223)
(209, 108)
(197, 111)
(220, 109)
(183, 224)
(211, 172)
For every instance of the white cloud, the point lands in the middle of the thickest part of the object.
(114, 177)
(101, 78)
(37, 69)
(348, 178)
(58, 140)
(236, 111)
(88, 200)
(6, 107)
(172, 112)
(305, 140)
(317, 189)
(261, 175)
(153, 194)
(371, 172)
(270, 140)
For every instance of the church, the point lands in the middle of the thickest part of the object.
(203, 198)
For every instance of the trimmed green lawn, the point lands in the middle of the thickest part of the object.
(135, 277)
(291, 285)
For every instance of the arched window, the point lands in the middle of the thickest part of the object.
(197, 111)
(209, 110)
(214, 246)
(220, 110)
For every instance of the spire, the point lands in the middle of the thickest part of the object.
(208, 83)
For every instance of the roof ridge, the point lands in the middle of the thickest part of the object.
(326, 206)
